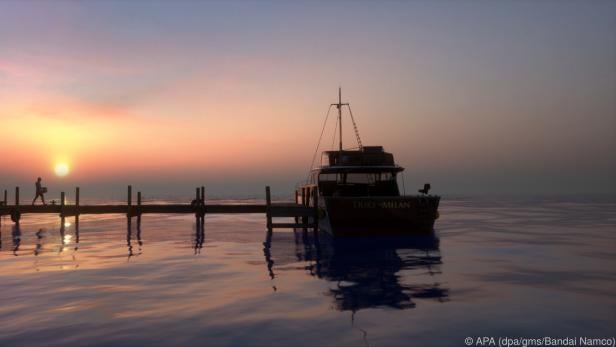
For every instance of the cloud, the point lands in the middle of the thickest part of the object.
(55, 90)
(62, 107)
(75, 110)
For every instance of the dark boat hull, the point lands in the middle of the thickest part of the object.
(396, 215)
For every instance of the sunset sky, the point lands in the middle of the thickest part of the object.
(475, 97)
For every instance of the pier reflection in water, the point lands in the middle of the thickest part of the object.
(365, 272)
(59, 237)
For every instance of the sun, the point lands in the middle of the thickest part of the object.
(61, 169)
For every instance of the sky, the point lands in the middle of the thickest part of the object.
(475, 97)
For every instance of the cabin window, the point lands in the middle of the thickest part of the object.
(357, 178)
(331, 177)
(325, 159)
(386, 176)
(361, 178)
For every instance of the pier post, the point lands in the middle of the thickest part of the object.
(129, 201)
(197, 202)
(268, 204)
(315, 206)
(5, 203)
(304, 203)
(197, 208)
(138, 210)
(202, 213)
(62, 206)
(295, 201)
(76, 203)
(15, 214)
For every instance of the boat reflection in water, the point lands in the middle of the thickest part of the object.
(366, 272)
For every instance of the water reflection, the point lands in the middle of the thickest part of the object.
(63, 239)
(199, 234)
(364, 272)
(76, 233)
(129, 235)
(16, 237)
(39, 242)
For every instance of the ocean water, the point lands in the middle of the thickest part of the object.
(529, 268)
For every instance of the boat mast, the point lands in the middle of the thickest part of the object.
(339, 106)
(340, 114)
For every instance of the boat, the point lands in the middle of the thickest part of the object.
(356, 191)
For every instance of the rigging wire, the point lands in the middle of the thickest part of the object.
(335, 132)
(316, 150)
(361, 147)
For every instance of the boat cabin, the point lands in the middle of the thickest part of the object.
(369, 171)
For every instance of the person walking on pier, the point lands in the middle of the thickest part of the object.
(40, 191)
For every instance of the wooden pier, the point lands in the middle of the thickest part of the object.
(198, 207)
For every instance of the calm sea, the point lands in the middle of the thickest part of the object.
(528, 268)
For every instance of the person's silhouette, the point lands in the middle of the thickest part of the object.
(40, 191)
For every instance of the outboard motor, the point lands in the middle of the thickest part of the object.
(425, 189)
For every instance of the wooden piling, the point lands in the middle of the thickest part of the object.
(77, 198)
(197, 195)
(16, 215)
(295, 201)
(6, 201)
(129, 201)
(268, 204)
(202, 212)
(315, 206)
(138, 210)
(62, 202)
(304, 203)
